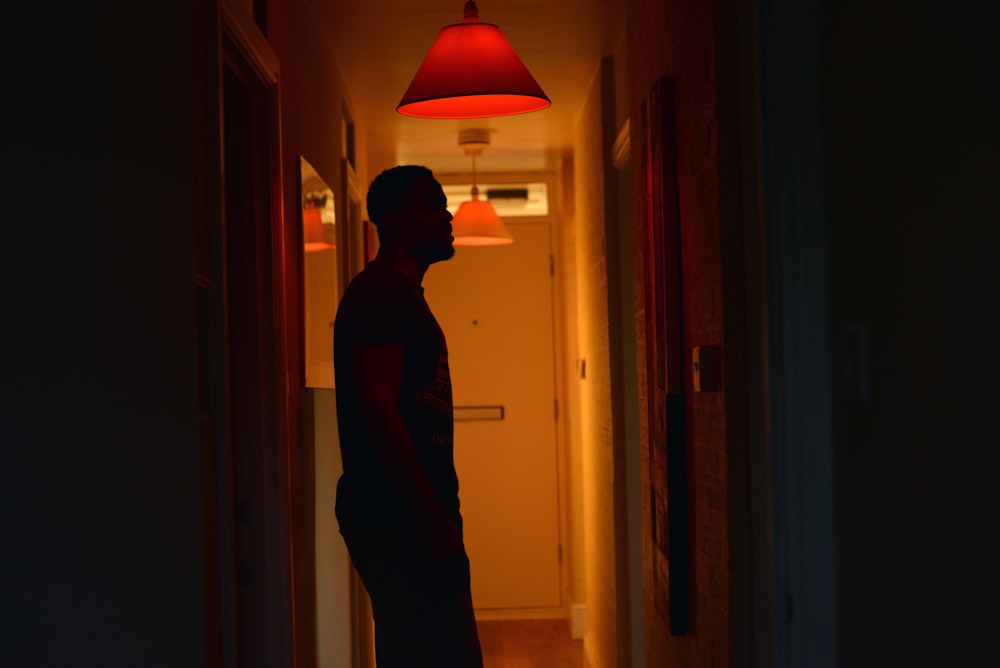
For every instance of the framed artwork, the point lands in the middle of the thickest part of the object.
(664, 359)
(354, 228)
(370, 240)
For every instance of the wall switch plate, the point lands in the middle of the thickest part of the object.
(705, 365)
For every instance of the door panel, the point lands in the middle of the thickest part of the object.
(253, 460)
(495, 307)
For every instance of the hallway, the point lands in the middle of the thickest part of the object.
(827, 169)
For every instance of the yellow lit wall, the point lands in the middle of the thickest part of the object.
(595, 447)
(570, 422)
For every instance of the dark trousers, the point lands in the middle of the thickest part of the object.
(423, 609)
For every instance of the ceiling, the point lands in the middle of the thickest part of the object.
(381, 43)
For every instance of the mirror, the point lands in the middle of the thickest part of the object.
(321, 290)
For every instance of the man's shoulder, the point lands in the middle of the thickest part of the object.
(375, 298)
(373, 282)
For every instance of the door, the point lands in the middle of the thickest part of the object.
(243, 374)
(495, 307)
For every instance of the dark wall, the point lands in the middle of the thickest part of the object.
(677, 39)
(100, 494)
(911, 114)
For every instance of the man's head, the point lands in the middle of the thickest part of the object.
(409, 209)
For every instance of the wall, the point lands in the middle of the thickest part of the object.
(911, 110)
(570, 418)
(596, 279)
(100, 490)
(678, 39)
(597, 465)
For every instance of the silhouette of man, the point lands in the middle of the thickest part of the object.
(397, 500)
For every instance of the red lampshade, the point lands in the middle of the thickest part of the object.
(472, 71)
(476, 223)
(312, 230)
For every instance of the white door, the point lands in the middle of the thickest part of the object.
(495, 307)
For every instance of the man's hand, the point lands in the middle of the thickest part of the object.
(379, 372)
(444, 549)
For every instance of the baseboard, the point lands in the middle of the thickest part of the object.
(577, 616)
(578, 621)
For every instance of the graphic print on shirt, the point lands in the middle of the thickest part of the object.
(437, 394)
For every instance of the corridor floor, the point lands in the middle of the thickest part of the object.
(536, 643)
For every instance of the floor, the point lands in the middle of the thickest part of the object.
(535, 643)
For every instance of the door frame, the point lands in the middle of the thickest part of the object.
(241, 45)
(799, 375)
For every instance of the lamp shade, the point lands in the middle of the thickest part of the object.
(476, 223)
(313, 231)
(471, 71)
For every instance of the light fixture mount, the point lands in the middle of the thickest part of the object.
(474, 140)
(471, 12)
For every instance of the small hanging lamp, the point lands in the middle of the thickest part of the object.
(316, 235)
(476, 222)
(471, 71)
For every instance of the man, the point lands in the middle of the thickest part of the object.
(397, 501)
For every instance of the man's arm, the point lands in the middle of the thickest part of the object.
(378, 371)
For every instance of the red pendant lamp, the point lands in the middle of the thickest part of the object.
(471, 71)
(476, 222)
(313, 230)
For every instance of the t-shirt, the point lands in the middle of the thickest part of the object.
(379, 307)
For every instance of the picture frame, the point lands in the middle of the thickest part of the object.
(353, 228)
(666, 406)
(370, 240)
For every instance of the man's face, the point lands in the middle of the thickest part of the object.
(424, 228)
